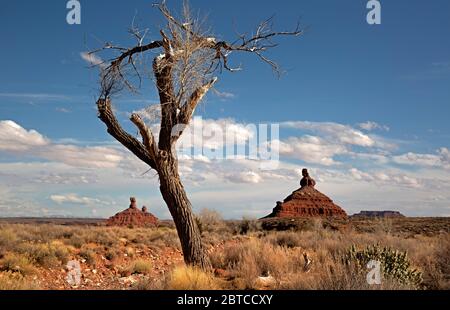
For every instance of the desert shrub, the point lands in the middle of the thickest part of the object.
(75, 241)
(111, 254)
(8, 238)
(169, 237)
(89, 255)
(383, 225)
(248, 225)
(285, 239)
(254, 258)
(443, 258)
(437, 266)
(140, 266)
(61, 252)
(338, 277)
(45, 255)
(16, 282)
(189, 278)
(213, 238)
(394, 264)
(41, 233)
(17, 264)
(103, 237)
(146, 284)
(314, 225)
(211, 221)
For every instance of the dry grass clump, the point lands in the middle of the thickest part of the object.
(112, 254)
(10, 281)
(337, 276)
(213, 227)
(140, 266)
(280, 255)
(211, 221)
(168, 238)
(189, 278)
(89, 255)
(244, 256)
(181, 278)
(47, 255)
(443, 262)
(8, 237)
(17, 264)
(257, 258)
(247, 226)
(437, 266)
(285, 239)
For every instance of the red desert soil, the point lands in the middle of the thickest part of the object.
(108, 275)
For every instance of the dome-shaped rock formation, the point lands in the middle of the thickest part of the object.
(133, 217)
(307, 202)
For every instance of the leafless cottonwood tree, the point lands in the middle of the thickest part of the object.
(183, 74)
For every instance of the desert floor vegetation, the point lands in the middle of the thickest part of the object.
(247, 254)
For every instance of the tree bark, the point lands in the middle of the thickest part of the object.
(180, 208)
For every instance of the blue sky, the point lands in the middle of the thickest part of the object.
(387, 85)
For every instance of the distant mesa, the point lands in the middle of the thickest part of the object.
(378, 214)
(133, 217)
(307, 202)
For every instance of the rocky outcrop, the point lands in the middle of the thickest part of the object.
(133, 217)
(307, 202)
(379, 214)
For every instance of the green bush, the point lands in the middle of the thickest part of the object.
(394, 264)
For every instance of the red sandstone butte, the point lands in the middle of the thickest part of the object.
(307, 202)
(133, 217)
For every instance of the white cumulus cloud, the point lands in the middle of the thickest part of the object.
(311, 149)
(15, 138)
(76, 199)
(370, 126)
(336, 132)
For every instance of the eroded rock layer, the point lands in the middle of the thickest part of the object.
(307, 202)
(133, 217)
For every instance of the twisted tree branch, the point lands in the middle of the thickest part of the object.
(106, 115)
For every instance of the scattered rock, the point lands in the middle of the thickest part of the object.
(127, 280)
(265, 282)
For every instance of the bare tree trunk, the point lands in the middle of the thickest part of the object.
(189, 58)
(180, 208)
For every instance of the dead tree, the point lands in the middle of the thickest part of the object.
(183, 75)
